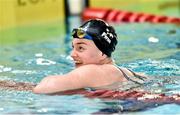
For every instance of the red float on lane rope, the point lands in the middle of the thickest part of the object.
(119, 16)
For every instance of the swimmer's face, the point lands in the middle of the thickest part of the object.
(85, 52)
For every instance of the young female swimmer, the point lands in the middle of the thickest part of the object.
(93, 43)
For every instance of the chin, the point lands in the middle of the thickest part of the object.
(78, 65)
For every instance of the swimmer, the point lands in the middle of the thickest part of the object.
(92, 47)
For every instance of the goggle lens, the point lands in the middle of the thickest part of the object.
(79, 33)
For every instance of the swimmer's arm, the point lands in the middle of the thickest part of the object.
(76, 79)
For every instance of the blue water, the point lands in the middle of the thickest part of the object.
(151, 49)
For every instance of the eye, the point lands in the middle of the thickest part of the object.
(80, 48)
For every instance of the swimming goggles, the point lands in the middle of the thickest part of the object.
(80, 33)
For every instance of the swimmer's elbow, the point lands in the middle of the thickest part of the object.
(42, 87)
(36, 90)
(39, 89)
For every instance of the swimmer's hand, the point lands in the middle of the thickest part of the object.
(20, 86)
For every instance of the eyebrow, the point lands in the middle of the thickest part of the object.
(79, 43)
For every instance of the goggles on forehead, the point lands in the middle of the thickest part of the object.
(81, 34)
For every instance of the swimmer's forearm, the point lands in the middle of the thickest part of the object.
(54, 84)
(48, 85)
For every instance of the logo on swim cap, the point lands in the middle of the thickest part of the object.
(106, 34)
(106, 37)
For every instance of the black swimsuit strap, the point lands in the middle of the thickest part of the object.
(128, 78)
(137, 76)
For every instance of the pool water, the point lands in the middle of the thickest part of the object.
(149, 48)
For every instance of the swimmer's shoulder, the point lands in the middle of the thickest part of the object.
(95, 71)
(95, 67)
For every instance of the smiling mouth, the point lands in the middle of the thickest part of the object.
(77, 62)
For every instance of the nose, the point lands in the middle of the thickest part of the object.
(73, 53)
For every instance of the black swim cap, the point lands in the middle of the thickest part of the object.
(103, 35)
